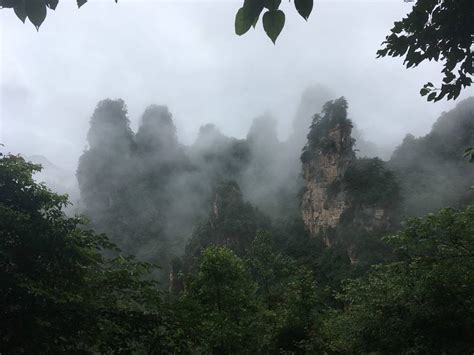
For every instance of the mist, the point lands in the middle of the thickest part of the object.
(196, 106)
(186, 56)
(167, 186)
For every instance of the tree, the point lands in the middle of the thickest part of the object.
(269, 269)
(223, 295)
(333, 116)
(369, 182)
(289, 292)
(300, 328)
(58, 292)
(423, 302)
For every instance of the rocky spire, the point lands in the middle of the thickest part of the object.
(326, 158)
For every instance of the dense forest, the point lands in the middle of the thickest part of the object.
(256, 245)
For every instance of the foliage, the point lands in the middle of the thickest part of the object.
(247, 16)
(436, 30)
(58, 293)
(268, 268)
(35, 10)
(248, 285)
(302, 307)
(370, 182)
(289, 294)
(223, 296)
(334, 115)
(273, 19)
(231, 222)
(423, 303)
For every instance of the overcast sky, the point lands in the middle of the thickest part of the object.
(184, 54)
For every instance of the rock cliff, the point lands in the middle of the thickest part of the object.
(323, 201)
(340, 189)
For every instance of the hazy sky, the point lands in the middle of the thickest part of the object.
(185, 54)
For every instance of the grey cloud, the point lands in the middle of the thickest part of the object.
(185, 55)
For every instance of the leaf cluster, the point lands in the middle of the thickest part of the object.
(273, 18)
(34, 10)
(439, 31)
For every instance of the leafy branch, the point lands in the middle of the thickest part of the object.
(34, 10)
(439, 30)
(273, 19)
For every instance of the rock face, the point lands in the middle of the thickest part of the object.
(343, 196)
(231, 222)
(323, 201)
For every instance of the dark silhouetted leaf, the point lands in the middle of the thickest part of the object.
(8, 3)
(431, 96)
(449, 77)
(243, 21)
(255, 21)
(81, 2)
(304, 7)
(36, 12)
(52, 4)
(254, 8)
(273, 23)
(20, 11)
(248, 16)
(272, 4)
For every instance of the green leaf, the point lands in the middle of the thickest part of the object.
(243, 21)
(304, 7)
(272, 4)
(8, 3)
(424, 92)
(255, 21)
(431, 96)
(52, 4)
(449, 77)
(248, 16)
(36, 11)
(254, 8)
(20, 11)
(273, 23)
(80, 3)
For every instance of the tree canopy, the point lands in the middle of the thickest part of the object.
(58, 290)
(422, 302)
